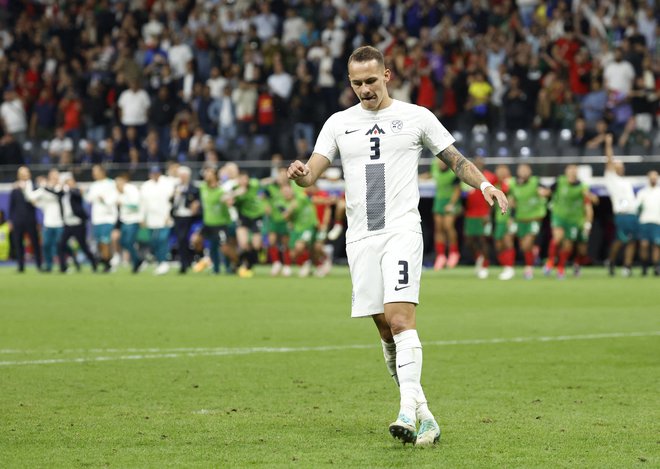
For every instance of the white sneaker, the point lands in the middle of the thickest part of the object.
(305, 269)
(479, 263)
(276, 269)
(335, 232)
(162, 269)
(482, 273)
(115, 260)
(507, 274)
(286, 271)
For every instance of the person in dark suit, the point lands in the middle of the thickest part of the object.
(23, 218)
(185, 208)
(75, 219)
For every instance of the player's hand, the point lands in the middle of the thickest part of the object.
(492, 194)
(297, 170)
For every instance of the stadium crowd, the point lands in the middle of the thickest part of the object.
(128, 85)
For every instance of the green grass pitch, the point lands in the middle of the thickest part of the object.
(200, 371)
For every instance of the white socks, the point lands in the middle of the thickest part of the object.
(409, 371)
(389, 352)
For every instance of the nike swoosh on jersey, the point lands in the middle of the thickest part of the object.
(397, 288)
(350, 131)
(406, 364)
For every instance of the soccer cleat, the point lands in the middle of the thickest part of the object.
(626, 272)
(335, 232)
(507, 273)
(403, 429)
(479, 263)
(429, 433)
(528, 273)
(452, 260)
(561, 273)
(548, 268)
(440, 262)
(577, 270)
(276, 269)
(323, 269)
(482, 273)
(611, 269)
(201, 265)
(286, 271)
(244, 272)
(162, 269)
(305, 269)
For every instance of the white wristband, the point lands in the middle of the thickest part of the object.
(484, 185)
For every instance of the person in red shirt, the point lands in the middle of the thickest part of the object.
(70, 110)
(477, 226)
(579, 73)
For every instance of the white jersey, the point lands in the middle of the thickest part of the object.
(49, 203)
(621, 193)
(380, 153)
(155, 198)
(129, 205)
(102, 195)
(649, 201)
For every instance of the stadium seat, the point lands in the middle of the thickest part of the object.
(545, 143)
(565, 145)
(593, 152)
(521, 139)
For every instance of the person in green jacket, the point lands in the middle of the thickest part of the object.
(572, 215)
(446, 206)
(251, 210)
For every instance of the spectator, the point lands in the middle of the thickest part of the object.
(13, 116)
(479, 92)
(516, 107)
(292, 28)
(44, 116)
(198, 144)
(594, 104)
(222, 112)
(245, 101)
(70, 110)
(619, 74)
(216, 83)
(266, 22)
(133, 107)
(90, 155)
(60, 148)
(162, 113)
(200, 107)
(95, 113)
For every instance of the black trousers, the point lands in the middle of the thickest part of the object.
(182, 229)
(18, 237)
(78, 232)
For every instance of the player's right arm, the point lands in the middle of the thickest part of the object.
(306, 174)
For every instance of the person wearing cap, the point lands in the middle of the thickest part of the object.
(185, 208)
(102, 196)
(155, 198)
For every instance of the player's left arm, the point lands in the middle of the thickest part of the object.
(470, 174)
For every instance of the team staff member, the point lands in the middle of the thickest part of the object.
(23, 218)
(446, 206)
(185, 209)
(380, 141)
(75, 219)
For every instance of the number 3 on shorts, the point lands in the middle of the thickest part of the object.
(403, 279)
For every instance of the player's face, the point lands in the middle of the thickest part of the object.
(653, 178)
(619, 168)
(571, 173)
(369, 82)
(524, 172)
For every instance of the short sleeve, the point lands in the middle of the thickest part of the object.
(326, 142)
(434, 135)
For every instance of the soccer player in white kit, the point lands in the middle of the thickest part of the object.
(380, 141)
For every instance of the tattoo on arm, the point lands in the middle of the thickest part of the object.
(462, 167)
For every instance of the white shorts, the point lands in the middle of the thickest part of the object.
(385, 269)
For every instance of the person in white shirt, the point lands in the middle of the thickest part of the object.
(102, 196)
(216, 83)
(179, 55)
(380, 141)
(619, 74)
(130, 216)
(13, 117)
(60, 148)
(624, 206)
(155, 199)
(46, 198)
(648, 199)
(134, 104)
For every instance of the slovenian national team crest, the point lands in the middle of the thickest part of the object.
(396, 125)
(375, 130)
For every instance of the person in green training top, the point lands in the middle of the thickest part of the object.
(251, 210)
(446, 206)
(530, 201)
(215, 217)
(4, 237)
(503, 234)
(276, 226)
(572, 215)
(302, 217)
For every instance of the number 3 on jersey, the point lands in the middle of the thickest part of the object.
(375, 148)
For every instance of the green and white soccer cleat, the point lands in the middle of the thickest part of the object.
(429, 433)
(403, 429)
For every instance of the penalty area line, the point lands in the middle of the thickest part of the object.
(156, 353)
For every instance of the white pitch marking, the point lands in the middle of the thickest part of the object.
(155, 353)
